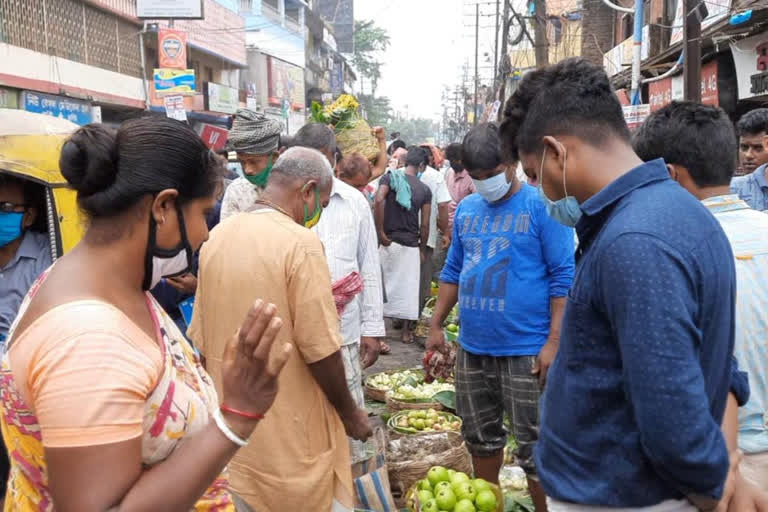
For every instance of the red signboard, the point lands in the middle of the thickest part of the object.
(623, 97)
(660, 93)
(172, 48)
(710, 95)
(665, 91)
(214, 137)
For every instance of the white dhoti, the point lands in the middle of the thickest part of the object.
(665, 506)
(400, 269)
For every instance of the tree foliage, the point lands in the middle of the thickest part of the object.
(370, 42)
(413, 131)
(377, 108)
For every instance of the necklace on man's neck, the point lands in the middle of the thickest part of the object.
(274, 206)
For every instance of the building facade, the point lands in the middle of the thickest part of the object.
(95, 60)
(733, 49)
(275, 79)
(568, 32)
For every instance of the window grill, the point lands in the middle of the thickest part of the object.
(74, 30)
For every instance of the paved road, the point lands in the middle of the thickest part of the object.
(402, 356)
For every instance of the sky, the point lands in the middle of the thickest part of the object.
(430, 42)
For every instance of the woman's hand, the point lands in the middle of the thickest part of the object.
(250, 370)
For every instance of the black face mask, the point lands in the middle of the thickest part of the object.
(160, 263)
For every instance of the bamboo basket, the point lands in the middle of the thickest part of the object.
(401, 405)
(380, 395)
(357, 138)
(413, 505)
(449, 451)
(396, 431)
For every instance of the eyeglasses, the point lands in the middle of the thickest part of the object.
(11, 207)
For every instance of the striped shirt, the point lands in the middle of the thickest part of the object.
(753, 188)
(747, 230)
(349, 237)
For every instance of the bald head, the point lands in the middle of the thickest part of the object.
(317, 136)
(303, 164)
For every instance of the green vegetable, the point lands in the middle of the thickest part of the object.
(518, 503)
(446, 398)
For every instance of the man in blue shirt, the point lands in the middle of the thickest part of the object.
(753, 188)
(634, 401)
(697, 142)
(752, 129)
(24, 248)
(509, 268)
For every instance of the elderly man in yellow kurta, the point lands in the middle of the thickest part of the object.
(298, 457)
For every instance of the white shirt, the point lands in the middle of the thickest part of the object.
(349, 237)
(436, 183)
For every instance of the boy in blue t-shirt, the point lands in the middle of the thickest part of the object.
(509, 267)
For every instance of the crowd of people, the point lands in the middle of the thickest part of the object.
(612, 291)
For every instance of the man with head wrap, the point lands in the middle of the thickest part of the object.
(256, 140)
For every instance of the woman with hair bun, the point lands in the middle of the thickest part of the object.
(104, 404)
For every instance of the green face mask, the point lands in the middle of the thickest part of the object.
(311, 220)
(260, 179)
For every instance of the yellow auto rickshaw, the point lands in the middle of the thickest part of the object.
(29, 149)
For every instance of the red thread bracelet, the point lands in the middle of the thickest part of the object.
(248, 415)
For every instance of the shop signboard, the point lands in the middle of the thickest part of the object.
(172, 48)
(9, 98)
(750, 57)
(174, 9)
(623, 96)
(337, 78)
(215, 137)
(174, 107)
(716, 9)
(77, 111)
(221, 98)
(660, 93)
(710, 94)
(174, 81)
(635, 115)
(286, 82)
(663, 92)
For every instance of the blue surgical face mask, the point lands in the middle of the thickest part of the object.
(493, 188)
(10, 227)
(566, 211)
